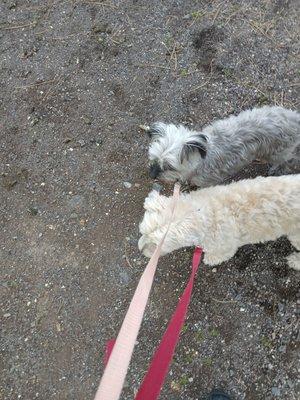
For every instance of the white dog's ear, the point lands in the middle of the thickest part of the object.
(196, 143)
(156, 129)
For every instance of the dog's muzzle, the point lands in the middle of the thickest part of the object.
(155, 170)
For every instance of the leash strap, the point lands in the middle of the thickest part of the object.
(115, 372)
(154, 378)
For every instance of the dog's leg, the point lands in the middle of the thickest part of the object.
(217, 256)
(294, 259)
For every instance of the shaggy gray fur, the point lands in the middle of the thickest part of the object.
(220, 150)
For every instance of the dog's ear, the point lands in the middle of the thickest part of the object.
(197, 143)
(155, 130)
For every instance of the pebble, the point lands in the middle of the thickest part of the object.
(7, 315)
(290, 383)
(280, 307)
(101, 27)
(124, 277)
(282, 348)
(81, 142)
(33, 210)
(275, 391)
(127, 185)
(76, 201)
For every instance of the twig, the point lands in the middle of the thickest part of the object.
(201, 86)
(260, 30)
(35, 84)
(98, 4)
(19, 26)
(42, 32)
(126, 256)
(152, 66)
(234, 13)
(49, 91)
(224, 301)
(174, 56)
(68, 36)
(216, 14)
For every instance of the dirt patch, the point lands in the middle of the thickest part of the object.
(77, 79)
(206, 43)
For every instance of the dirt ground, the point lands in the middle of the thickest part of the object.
(77, 79)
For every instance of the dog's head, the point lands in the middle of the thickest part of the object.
(175, 152)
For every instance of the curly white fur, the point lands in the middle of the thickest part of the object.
(223, 218)
(220, 150)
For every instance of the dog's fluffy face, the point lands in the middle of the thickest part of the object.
(175, 152)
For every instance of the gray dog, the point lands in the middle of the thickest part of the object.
(220, 150)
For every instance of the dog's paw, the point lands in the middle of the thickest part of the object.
(156, 214)
(294, 261)
(154, 223)
(214, 257)
(212, 260)
(146, 246)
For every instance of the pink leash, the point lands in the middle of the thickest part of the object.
(119, 352)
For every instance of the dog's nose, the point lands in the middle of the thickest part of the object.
(155, 170)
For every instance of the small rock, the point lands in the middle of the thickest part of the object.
(33, 210)
(128, 185)
(81, 142)
(280, 307)
(101, 27)
(276, 391)
(7, 315)
(87, 120)
(124, 277)
(214, 270)
(34, 120)
(282, 348)
(290, 383)
(76, 201)
(137, 185)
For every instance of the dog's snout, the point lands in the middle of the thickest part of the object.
(155, 170)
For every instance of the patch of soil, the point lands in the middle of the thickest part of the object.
(77, 79)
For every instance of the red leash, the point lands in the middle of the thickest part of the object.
(163, 356)
(154, 378)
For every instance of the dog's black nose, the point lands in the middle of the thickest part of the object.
(155, 170)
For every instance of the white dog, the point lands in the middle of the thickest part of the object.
(222, 149)
(220, 219)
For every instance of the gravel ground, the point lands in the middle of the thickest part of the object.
(77, 79)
